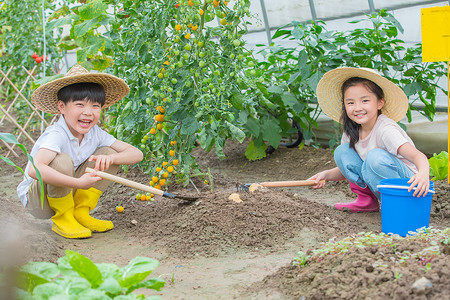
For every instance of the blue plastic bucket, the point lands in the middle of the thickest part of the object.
(401, 212)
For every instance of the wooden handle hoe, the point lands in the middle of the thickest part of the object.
(136, 185)
(254, 186)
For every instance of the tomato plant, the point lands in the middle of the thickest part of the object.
(188, 69)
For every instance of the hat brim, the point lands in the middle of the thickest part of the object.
(330, 97)
(45, 97)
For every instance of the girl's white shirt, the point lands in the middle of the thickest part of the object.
(386, 134)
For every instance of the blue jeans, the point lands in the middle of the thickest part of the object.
(379, 164)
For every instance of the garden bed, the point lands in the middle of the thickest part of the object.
(215, 248)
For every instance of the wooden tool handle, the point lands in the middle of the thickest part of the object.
(132, 184)
(288, 183)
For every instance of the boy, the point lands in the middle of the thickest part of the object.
(74, 142)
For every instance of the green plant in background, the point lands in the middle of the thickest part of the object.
(439, 166)
(22, 45)
(301, 259)
(190, 69)
(11, 139)
(380, 48)
(77, 277)
(296, 70)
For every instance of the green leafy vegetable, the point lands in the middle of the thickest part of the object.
(77, 277)
(439, 166)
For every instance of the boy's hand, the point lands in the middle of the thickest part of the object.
(422, 183)
(102, 162)
(87, 180)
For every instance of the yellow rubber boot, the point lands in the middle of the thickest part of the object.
(64, 222)
(85, 201)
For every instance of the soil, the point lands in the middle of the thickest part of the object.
(215, 248)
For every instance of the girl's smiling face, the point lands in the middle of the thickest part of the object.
(362, 105)
(80, 116)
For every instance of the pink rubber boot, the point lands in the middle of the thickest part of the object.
(365, 202)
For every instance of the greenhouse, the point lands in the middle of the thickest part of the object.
(224, 149)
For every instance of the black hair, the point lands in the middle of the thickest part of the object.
(350, 127)
(91, 91)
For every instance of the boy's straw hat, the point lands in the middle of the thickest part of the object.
(330, 97)
(45, 97)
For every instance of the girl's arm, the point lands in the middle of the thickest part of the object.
(44, 157)
(327, 175)
(421, 180)
(126, 155)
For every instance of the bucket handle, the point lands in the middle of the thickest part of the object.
(399, 187)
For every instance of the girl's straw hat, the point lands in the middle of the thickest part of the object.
(45, 97)
(330, 97)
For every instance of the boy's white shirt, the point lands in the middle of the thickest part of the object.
(386, 134)
(58, 138)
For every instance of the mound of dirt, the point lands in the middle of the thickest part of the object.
(215, 225)
(372, 272)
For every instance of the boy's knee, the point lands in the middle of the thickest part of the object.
(63, 164)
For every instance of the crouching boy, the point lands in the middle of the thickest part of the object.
(74, 142)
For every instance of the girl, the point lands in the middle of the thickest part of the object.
(373, 145)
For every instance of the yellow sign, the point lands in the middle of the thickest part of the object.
(435, 33)
(436, 47)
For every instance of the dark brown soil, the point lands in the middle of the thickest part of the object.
(266, 223)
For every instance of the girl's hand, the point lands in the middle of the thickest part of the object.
(87, 180)
(320, 179)
(102, 162)
(422, 183)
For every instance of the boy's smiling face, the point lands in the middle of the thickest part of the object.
(80, 116)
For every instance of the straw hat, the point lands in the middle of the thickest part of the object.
(45, 97)
(330, 97)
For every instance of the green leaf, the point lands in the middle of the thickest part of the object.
(81, 29)
(49, 291)
(37, 273)
(314, 80)
(253, 126)
(236, 133)
(137, 270)
(271, 132)
(74, 285)
(108, 270)
(111, 286)
(275, 90)
(85, 268)
(289, 99)
(237, 100)
(93, 9)
(298, 33)
(152, 283)
(254, 153)
(265, 102)
(219, 144)
(93, 294)
(190, 126)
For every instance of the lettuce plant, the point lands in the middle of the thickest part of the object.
(77, 277)
(439, 166)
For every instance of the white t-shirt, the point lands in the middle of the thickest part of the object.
(387, 135)
(58, 138)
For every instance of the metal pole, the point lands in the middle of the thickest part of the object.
(266, 22)
(45, 53)
(313, 9)
(371, 6)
